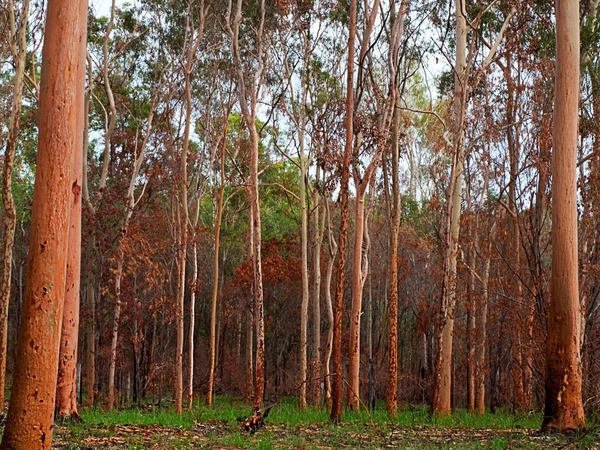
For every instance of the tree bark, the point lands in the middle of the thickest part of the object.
(319, 224)
(482, 310)
(357, 291)
(31, 411)
(443, 373)
(66, 389)
(564, 408)
(394, 228)
(215, 292)
(336, 408)
(19, 51)
(332, 247)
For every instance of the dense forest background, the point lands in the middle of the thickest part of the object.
(221, 190)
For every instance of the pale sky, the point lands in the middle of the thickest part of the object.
(102, 7)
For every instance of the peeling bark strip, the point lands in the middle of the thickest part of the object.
(31, 410)
(564, 409)
(66, 390)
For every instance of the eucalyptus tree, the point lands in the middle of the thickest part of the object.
(250, 67)
(30, 417)
(463, 88)
(564, 407)
(336, 391)
(66, 388)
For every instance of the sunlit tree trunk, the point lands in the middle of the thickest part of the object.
(564, 408)
(66, 389)
(337, 388)
(31, 412)
(18, 40)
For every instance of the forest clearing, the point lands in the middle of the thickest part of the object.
(300, 223)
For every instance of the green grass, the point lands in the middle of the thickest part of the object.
(288, 427)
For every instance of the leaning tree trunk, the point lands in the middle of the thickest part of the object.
(66, 389)
(443, 372)
(30, 415)
(336, 392)
(564, 408)
(19, 51)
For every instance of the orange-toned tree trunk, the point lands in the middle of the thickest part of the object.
(31, 411)
(66, 388)
(394, 228)
(564, 408)
(337, 388)
(19, 51)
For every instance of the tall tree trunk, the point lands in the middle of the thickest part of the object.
(249, 364)
(482, 310)
(191, 351)
(443, 369)
(259, 384)
(336, 408)
(66, 389)
(215, 292)
(183, 240)
(319, 224)
(250, 328)
(115, 331)
(304, 270)
(564, 408)
(332, 247)
(30, 415)
(248, 100)
(394, 228)
(471, 321)
(18, 40)
(358, 263)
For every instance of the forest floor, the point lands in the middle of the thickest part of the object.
(286, 427)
